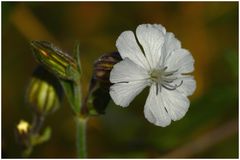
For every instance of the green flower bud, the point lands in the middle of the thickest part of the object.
(44, 92)
(56, 61)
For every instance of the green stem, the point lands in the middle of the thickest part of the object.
(77, 95)
(81, 126)
(37, 123)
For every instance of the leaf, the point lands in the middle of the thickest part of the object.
(76, 56)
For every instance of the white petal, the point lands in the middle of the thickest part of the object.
(123, 93)
(151, 37)
(188, 86)
(176, 103)
(154, 110)
(170, 44)
(128, 48)
(180, 60)
(126, 71)
(160, 28)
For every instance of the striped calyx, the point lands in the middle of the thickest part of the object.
(104, 65)
(55, 60)
(98, 96)
(44, 92)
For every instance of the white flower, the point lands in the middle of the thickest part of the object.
(162, 65)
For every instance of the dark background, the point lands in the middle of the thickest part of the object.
(209, 30)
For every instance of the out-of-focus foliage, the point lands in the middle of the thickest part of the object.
(209, 30)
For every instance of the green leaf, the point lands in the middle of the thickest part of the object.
(76, 56)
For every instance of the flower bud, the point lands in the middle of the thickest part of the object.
(98, 96)
(44, 92)
(53, 59)
(104, 65)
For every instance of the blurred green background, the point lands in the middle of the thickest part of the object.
(209, 30)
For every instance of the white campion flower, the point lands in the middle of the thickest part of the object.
(162, 64)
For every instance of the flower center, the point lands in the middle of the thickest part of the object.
(162, 78)
(157, 75)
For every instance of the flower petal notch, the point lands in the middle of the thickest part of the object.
(161, 64)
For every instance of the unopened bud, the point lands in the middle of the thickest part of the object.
(104, 65)
(55, 60)
(44, 92)
(98, 96)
